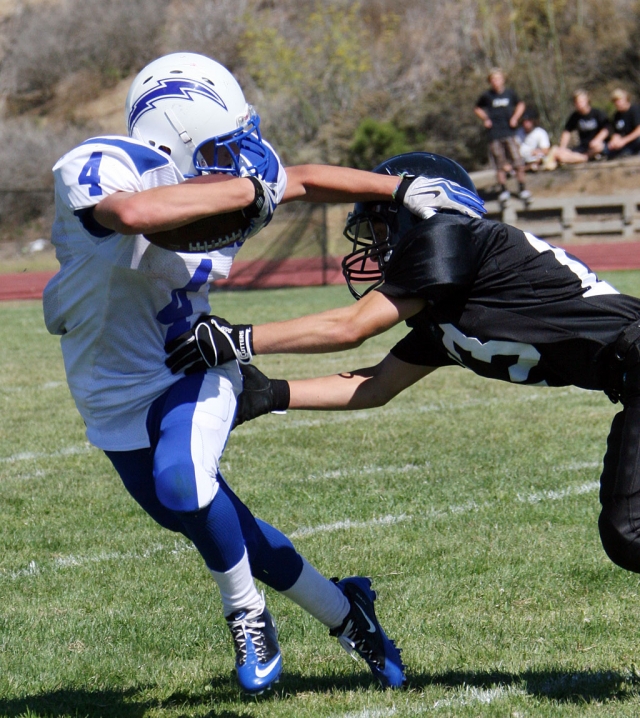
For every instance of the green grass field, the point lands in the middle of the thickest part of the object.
(472, 504)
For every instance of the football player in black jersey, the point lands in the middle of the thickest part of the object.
(476, 293)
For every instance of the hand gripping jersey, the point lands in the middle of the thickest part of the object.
(505, 304)
(117, 299)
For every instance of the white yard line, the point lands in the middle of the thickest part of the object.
(452, 510)
(32, 455)
(348, 524)
(467, 695)
(62, 562)
(364, 471)
(369, 713)
(464, 696)
(34, 568)
(470, 695)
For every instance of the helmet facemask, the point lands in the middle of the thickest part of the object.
(240, 152)
(369, 232)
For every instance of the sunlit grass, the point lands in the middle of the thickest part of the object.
(472, 504)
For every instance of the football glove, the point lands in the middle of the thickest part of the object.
(424, 196)
(210, 342)
(260, 395)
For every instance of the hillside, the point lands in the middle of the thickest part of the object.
(65, 67)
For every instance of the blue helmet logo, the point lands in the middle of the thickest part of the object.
(181, 89)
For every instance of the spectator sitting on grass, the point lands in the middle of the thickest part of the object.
(625, 140)
(592, 126)
(534, 141)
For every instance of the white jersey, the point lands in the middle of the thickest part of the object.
(117, 299)
(537, 139)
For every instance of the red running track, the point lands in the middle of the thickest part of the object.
(268, 274)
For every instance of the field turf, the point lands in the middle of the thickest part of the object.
(472, 504)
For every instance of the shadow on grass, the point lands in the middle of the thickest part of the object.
(125, 703)
(213, 701)
(579, 687)
(559, 686)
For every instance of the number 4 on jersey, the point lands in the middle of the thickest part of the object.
(90, 174)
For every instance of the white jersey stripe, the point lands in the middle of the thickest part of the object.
(594, 286)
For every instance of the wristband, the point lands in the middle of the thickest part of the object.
(401, 190)
(242, 336)
(281, 393)
(253, 210)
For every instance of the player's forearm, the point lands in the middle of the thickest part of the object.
(168, 207)
(351, 390)
(335, 329)
(326, 332)
(359, 389)
(328, 183)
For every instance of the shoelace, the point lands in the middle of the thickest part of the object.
(252, 627)
(351, 641)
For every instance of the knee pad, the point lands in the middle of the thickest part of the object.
(619, 534)
(178, 489)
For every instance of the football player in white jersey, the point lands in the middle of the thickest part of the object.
(118, 298)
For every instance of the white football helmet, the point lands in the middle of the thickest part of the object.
(193, 108)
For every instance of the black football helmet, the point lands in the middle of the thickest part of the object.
(374, 228)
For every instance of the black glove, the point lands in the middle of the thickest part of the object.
(260, 395)
(210, 342)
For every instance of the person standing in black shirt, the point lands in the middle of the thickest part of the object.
(500, 110)
(625, 139)
(474, 293)
(592, 126)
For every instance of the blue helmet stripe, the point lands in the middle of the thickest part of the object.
(165, 89)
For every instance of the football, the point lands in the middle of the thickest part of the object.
(207, 234)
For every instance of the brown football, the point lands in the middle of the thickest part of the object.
(207, 234)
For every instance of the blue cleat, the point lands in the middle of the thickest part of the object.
(258, 657)
(361, 632)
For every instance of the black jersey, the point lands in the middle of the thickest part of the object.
(588, 126)
(624, 123)
(505, 304)
(499, 108)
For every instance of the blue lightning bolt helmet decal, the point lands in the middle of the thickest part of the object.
(182, 89)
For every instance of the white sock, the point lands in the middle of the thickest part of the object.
(237, 588)
(318, 596)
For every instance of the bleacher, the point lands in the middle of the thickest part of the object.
(575, 204)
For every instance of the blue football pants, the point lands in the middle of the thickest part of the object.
(177, 480)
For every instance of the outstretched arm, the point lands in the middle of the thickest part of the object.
(359, 389)
(213, 341)
(335, 329)
(422, 196)
(327, 183)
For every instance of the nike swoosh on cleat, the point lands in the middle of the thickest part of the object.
(262, 672)
(372, 628)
